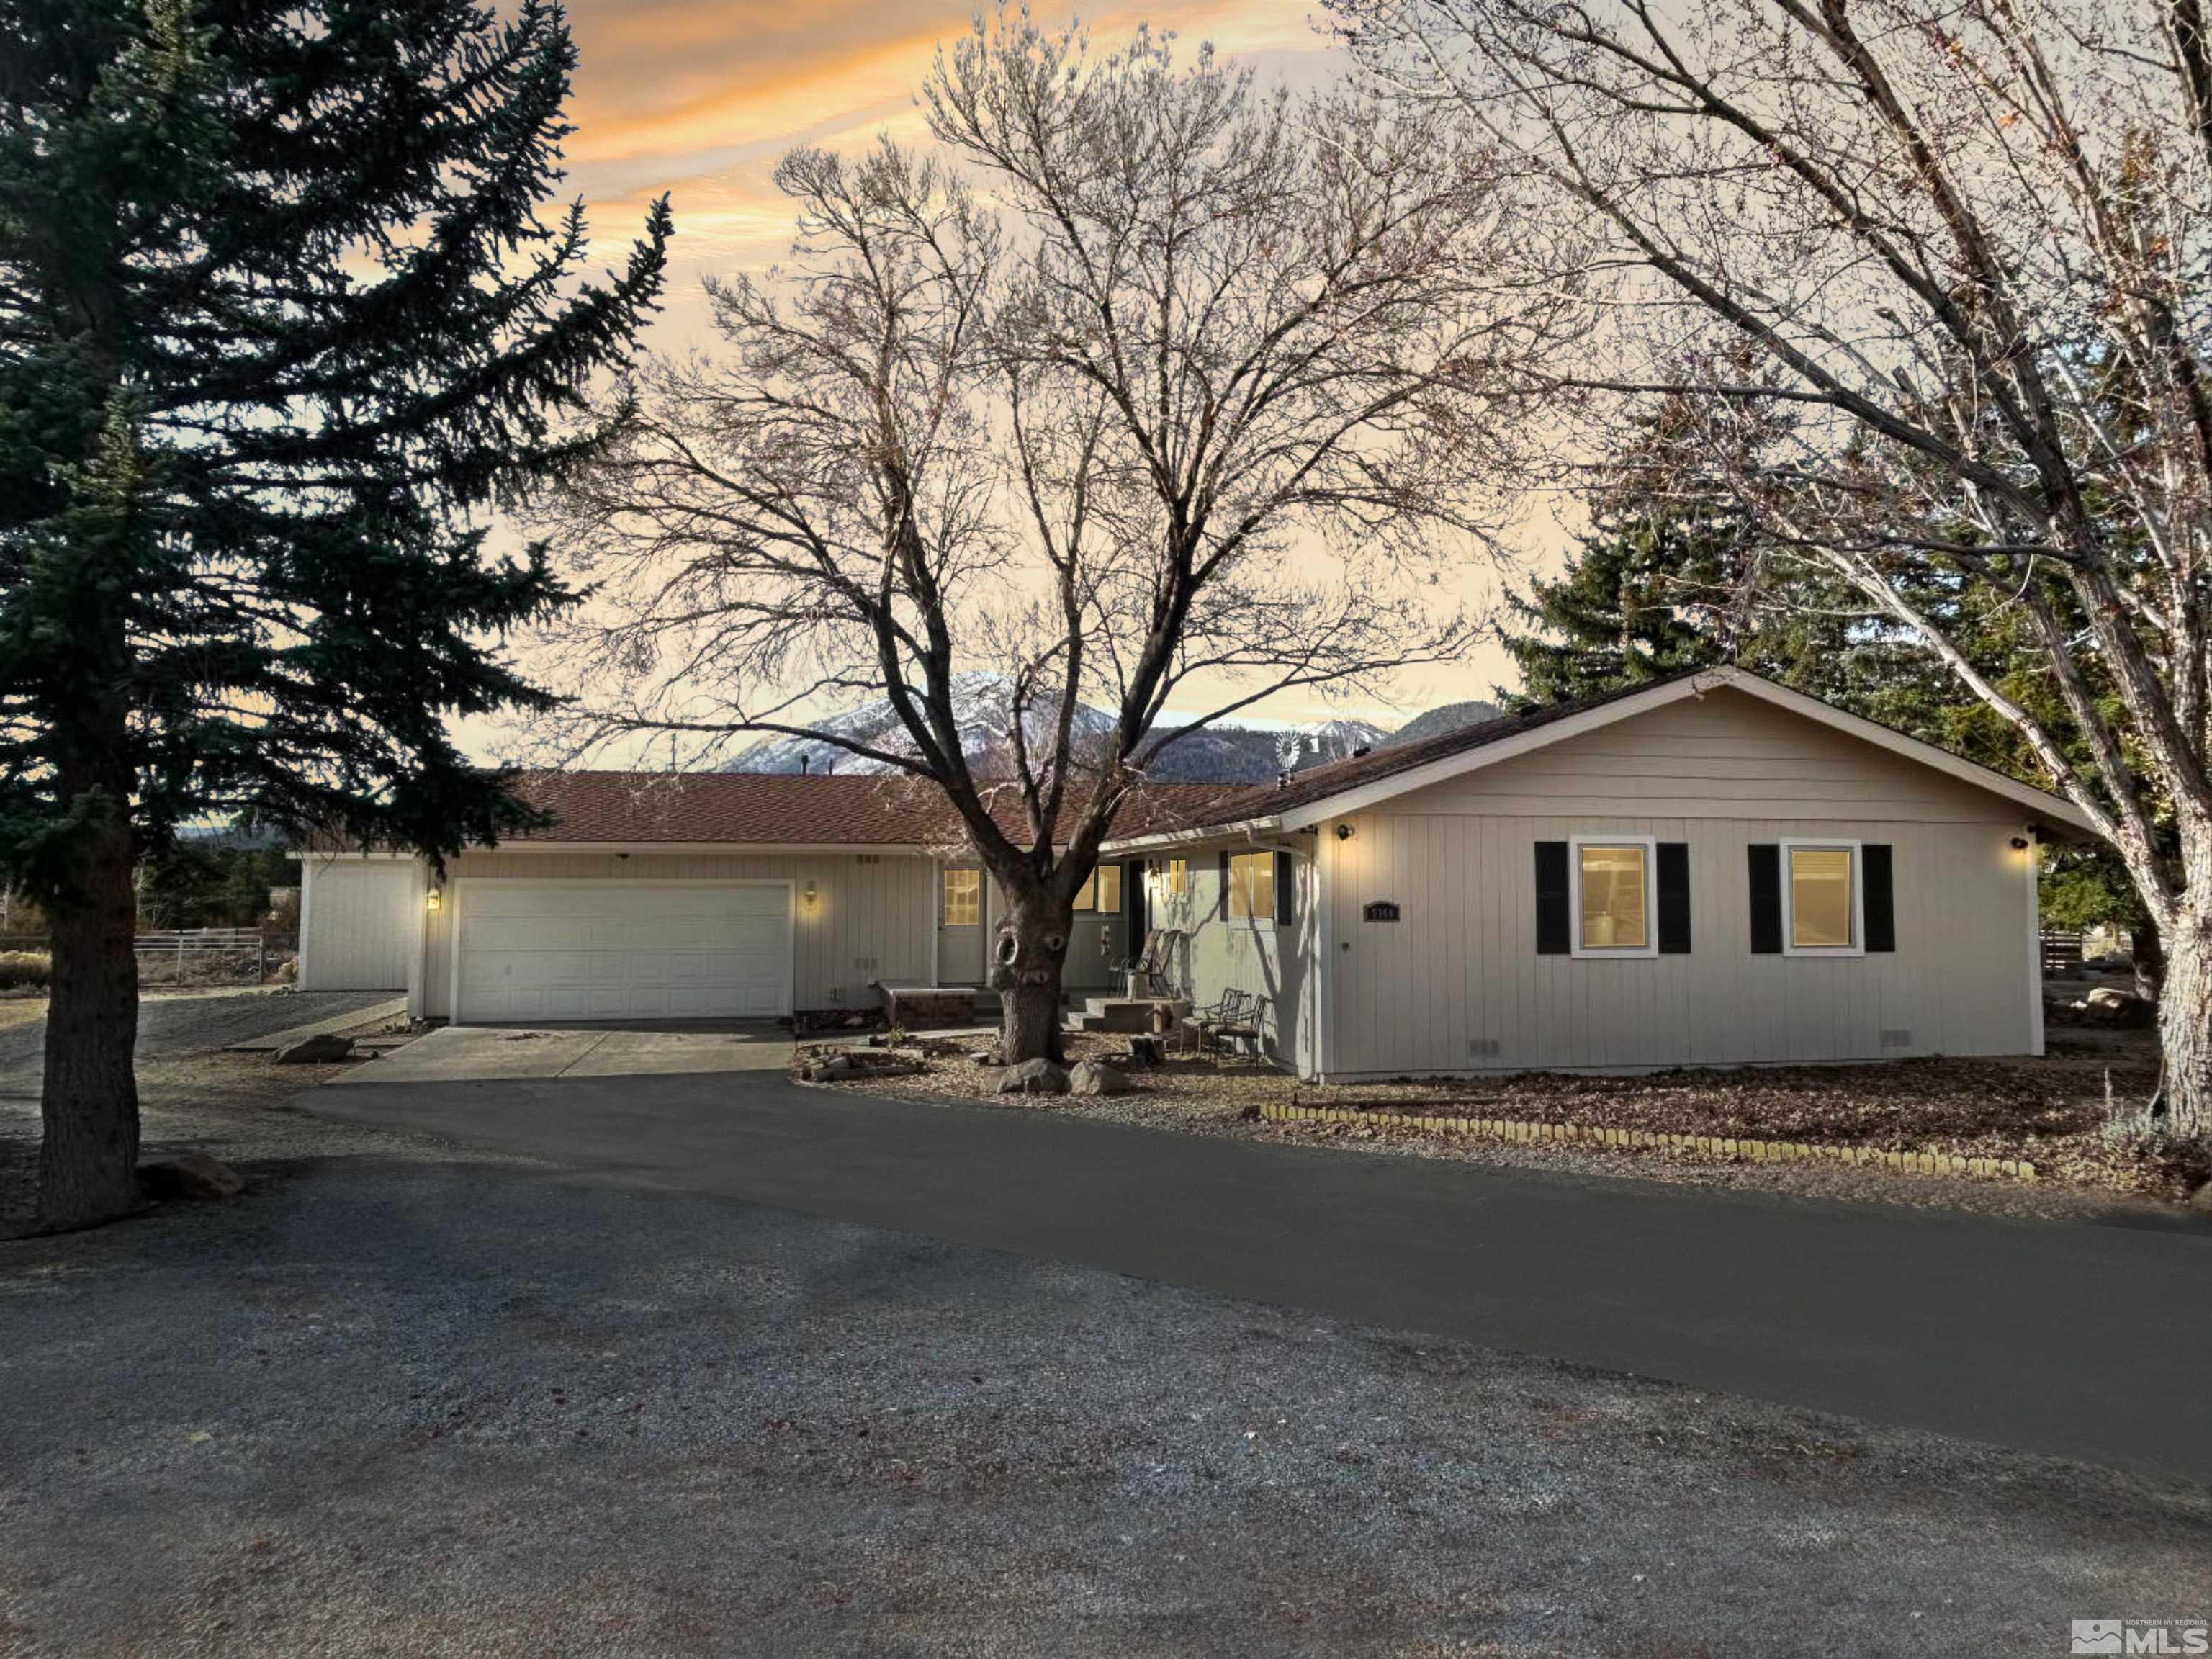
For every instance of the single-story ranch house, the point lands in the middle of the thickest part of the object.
(1705, 870)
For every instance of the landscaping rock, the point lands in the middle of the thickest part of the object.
(321, 1049)
(189, 1175)
(1033, 1076)
(828, 1071)
(1096, 1076)
(2111, 1006)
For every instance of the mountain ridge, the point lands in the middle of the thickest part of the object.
(1226, 752)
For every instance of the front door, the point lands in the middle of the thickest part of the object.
(960, 905)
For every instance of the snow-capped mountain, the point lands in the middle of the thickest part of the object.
(979, 706)
(1216, 754)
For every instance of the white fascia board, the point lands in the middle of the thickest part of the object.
(1169, 840)
(689, 849)
(694, 848)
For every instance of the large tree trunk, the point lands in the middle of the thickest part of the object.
(88, 1159)
(1030, 954)
(2185, 1030)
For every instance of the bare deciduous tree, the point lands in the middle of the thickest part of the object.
(1140, 380)
(1965, 245)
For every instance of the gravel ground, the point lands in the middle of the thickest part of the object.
(407, 1399)
(1849, 1102)
(180, 1021)
(190, 1093)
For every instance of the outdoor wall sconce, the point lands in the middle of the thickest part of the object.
(1344, 832)
(434, 899)
(808, 894)
(2020, 843)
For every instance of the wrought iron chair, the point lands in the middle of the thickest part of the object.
(1235, 1017)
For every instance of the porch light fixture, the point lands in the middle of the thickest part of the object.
(808, 894)
(434, 899)
(2020, 843)
(1344, 832)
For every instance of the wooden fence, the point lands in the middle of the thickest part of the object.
(2062, 952)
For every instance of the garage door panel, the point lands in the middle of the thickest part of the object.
(549, 950)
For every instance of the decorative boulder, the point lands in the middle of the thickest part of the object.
(1096, 1076)
(2115, 1007)
(1033, 1076)
(189, 1175)
(321, 1049)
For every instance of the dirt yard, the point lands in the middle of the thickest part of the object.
(2051, 1112)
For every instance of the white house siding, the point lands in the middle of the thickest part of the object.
(357, 928)
(868, 922)
(1250, 954)
(1459, 973)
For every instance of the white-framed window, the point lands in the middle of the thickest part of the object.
(1823, 899)
(1616, 908)
(964, 897)
(1177, 878)
(1252, 886)
(1101, 889)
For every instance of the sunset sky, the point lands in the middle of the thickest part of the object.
(700, 99)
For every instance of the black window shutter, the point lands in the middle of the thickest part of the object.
(1674, 898)
(1880, 897)
(1283, 894)
(1551, 903)
(1224, 886)
(1766, 899)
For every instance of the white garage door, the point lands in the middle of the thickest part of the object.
(555, 950)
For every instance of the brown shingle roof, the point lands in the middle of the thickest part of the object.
(785, 809)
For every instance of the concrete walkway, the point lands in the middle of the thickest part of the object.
(392, 1008)
(2083, 1340)
(487, 1054)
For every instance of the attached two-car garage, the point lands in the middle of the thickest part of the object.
(526, 951)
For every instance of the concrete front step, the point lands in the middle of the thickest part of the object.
(1125, 1014)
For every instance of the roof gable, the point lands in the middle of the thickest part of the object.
(1351, 785)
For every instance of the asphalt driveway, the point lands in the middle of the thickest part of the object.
(416, 1400)
(485, 1054)
(2072, 1338)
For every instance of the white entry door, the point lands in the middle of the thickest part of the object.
(526, 950)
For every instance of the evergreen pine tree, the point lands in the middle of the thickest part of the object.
(1634, 603)
(278, 316)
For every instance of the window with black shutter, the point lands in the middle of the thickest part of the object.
(1673, 881)
(1765, 868)
(1880, 894)
(1554, 923)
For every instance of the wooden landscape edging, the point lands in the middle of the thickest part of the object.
(1726, 1147)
